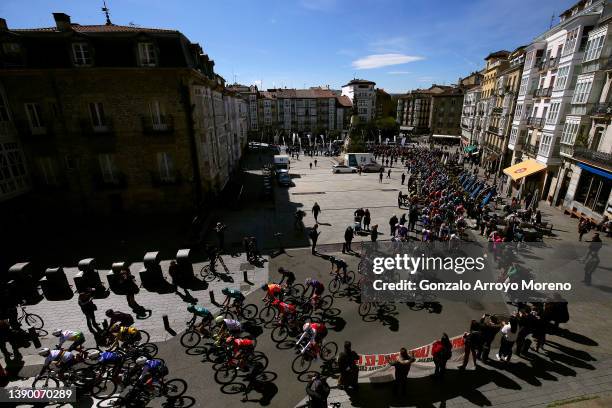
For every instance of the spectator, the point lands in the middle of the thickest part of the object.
(316, 210)
(374, 233)
(472, 344)
(508, 331)
(366, 219)
(7, 335)
(393, 224)
(380, 177)
(389, 173)
(220, 231)
(128, 286)
(314, 236)
(403, 178)
(348, 368)
(348, 239)
(318, 391)
(88, 307)
(402, 368)
(441, 351)
(490, 327)
(583, 228)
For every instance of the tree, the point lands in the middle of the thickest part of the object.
(387, 126)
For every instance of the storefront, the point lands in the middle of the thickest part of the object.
(526, 177)
(593, 191)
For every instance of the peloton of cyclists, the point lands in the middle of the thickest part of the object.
(317, 290)
(273, 291)
(313, 333)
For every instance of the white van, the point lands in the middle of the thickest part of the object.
(281, 162)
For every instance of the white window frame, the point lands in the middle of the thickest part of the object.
(553, 113)
(582, 90)
(165, 165)
(147, 54)
(34, 115)
(562, 75)
(108, 168)
(595, 44)
(47, 170)
(97, 116)
(81, 54)
(158, 115)
(570, 130)
(570, 42)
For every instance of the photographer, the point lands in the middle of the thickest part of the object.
(318, 391)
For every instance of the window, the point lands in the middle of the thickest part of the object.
(108, 169)
(13, 175)
(593, 191)
(80, 54)
(158, 117)
(582, 90)
(595, 44)
(4, 112)
(553, 113)
(166, 167)
(523, 88)
(97, 116)
(47, 171)
(147, 54)
(569, 132)
(34, 116)
(529, 59)
(562, 75)
(570, 41)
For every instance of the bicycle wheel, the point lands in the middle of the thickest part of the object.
(207, 274)
(329, 351)
(216, 355)
(334, 285)
(267, 314)
(227, 314)
(148, 349)
(301, 364)
(248, 311)
(225, 375)
(46, 382)
(326, 302)
(364, 309)
(174, 388)
(280, 333)
(258, 359)
(190, 338)
(34, 320)
(144, 336)
(297, 290)
(350, 277)
(104, 388)
(112, 402)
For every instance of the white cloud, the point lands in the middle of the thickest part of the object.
(384, 60)
(399, 72)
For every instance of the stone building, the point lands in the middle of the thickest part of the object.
(116, 119)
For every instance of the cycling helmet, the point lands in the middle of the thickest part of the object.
(44, 352)
(306, 326)
(141, 360)
(109, 312)
(281, 269)
(57, 332)
(264, 286)
(191, 308)
(219, 319)
(225, 291)
(308, 280)
(94, 355)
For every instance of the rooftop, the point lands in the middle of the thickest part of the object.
(357, 81)
(103, 28)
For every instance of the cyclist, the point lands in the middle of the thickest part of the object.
(273, 291)
(76, 337)
(227, 327)
(125, 319)
(314, 333)
(287, 311)
(153, 371)
(202, 312)
(232, 294)
(290, 276)
(317, 290)
(338, 264)
(124, 335)
(110, 359)
(61, 360)
(241, 349)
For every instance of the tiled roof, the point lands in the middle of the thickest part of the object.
(303, 93)
(344, 101)
(102, 28)
(359, 81)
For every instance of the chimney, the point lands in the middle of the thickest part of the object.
(62, 21)
(3, 26)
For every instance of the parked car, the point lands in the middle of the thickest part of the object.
(342, 168)
(283, 178)
(371, 167)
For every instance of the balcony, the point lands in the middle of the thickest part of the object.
(494, 129)
(88, 128)
(602, 109)
(116, 181)
(532, 149)
(566, 150)
(162, 125)
(27, 130)
(497, 111)
(543, 92)
(593, 156)
(535, 122)
(158, 181)
(550, 63)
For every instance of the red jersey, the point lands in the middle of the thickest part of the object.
(273, 290)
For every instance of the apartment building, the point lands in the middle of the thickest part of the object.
(553, 85)
(362, 94)
(584, 183)
(115, 119)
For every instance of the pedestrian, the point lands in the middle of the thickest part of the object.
(380, 177)
(349, 234)
(88, 307)
(315, 162)
(220, 231)
(508, 332)
(359, 170)
(128, 285)
(472, 344)
(595, 245)
(403, 178)
(8, 307)
(441, 351)
(310, 165)
(347, 364)
(402, 368)
(583, 228)
(490, 327)
(318, 391)
(366, 220)
(358, 214)
(314, 236)
(7, 335)
(316, 210)
(389, 173)
(393, 224)
(413, 215)
(402, 220)
(374, 233)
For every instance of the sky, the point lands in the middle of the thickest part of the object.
(399, 44)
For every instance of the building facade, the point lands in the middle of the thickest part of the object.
(118, 119)
(362, 93)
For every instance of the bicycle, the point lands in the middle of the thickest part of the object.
(283, 329)
(209, 272)
(139, 395)
(31, 319)
(339, 280)
(194, 333)
(323, 303)
(228, 371)
(268, 312)
(248, 311)
(303, 360)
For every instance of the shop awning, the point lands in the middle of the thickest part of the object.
(524, 169)
(471, 148)
(595, 170)
(446, 136)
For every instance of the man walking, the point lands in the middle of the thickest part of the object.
(389, 173)
(403, 178)
(348, 239)
(380, 177)
(393, 224)
(314, 236)
(315, 162)
(316, 210)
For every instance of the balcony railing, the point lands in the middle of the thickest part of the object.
(494, 129)
(497, 111)
(543, 92)
(535, 122)
(89, 128)
(602, 109)
(532, 149)
(566, 150)
(593, 156)
(550, 63)
(162, 125)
